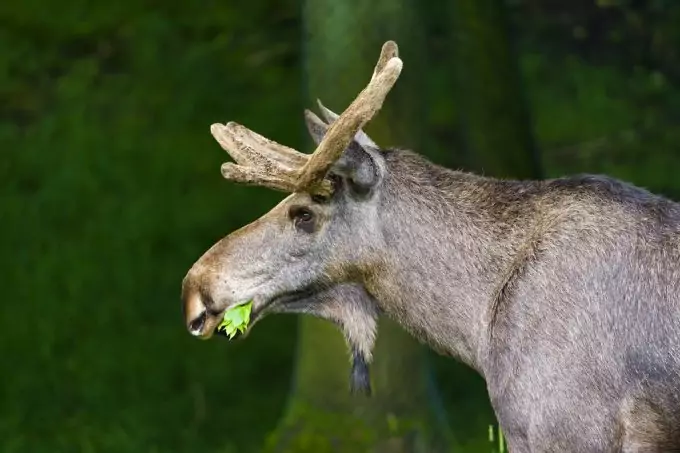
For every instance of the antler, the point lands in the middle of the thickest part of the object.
(263, 162)
(259, 161)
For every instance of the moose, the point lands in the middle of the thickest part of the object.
(563, 294)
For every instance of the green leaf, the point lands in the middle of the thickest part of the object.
(236, 319)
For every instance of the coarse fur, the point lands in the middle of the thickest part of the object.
(563, 294)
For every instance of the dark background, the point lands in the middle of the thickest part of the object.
(111, 189)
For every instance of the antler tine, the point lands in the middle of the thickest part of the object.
(263, 162)
(388, 51)
(253, 176)
(360, 112)
(248, 147)
(267, 177)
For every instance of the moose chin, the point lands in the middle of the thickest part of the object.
(564, 294)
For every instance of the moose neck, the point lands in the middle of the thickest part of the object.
(451, 238)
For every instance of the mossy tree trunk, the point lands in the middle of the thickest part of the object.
(342, 43)
(494, 111)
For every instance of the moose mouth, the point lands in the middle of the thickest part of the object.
(298, 302)
(347, 306)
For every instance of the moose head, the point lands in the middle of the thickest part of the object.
(314, 251)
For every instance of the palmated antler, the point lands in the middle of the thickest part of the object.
(263, 162)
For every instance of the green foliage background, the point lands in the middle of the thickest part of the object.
(111, 189)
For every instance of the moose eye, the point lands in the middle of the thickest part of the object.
(303, 219)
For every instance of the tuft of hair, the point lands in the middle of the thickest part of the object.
(360, 378)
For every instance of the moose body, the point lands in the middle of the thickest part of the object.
(563, 294)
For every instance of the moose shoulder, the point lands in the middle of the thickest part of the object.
(563, 294)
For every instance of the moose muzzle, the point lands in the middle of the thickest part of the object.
(199, 314)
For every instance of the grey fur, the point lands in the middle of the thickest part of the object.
(563, 294)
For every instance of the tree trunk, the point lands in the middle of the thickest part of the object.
(494, 112)
(342, 44)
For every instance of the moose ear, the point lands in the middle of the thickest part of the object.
(359, 168)
(316, 128)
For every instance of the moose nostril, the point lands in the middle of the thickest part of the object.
(197, 324)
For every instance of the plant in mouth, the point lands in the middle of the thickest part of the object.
(236, 319)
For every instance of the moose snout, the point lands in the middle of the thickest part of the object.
(200, 320)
